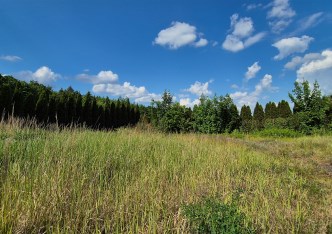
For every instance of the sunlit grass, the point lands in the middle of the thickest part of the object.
(128, 181)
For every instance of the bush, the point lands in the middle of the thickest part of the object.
(278, 132)
(277, 123)
(212, 216)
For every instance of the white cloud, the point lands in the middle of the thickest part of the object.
(234, 86)
(253, 6)
(10, 58)
(126, 90)
(319, 69)
(292, 45)
(188, 102)
(310, 21)
(242, 27)
(250, 98)
(178, 35)
(201, 43)
(199, 88)
(240, 36)
(148, 98)
(139, 94)
(298, 61)
(254, 39)
(280, 15)
(101, 77)
(43, 75)
(252, 71)
(233, 43)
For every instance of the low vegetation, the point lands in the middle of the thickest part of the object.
(129, 181)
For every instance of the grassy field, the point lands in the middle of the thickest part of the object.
(128, 181)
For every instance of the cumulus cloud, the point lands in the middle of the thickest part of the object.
(288, 46)
(252, 71)
(180, 34)
(199, 88)
(101, 77)
(241, 34)
(42, 75)
(201, 43)
(319, 69)
(139, 94)
(10, 58)
(280, 15)
(106, 82)
(298, 61)
(188, 102)
(250, 98)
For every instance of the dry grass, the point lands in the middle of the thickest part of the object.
(82, 181)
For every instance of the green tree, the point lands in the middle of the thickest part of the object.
(87, 109)
(309, 106)
(283, 109)
(42, 107)
(206, 116)
(175, 119)
(258, 116)
(271, 111)
(246, 118)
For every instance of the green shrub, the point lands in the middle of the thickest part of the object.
(277, 123)
(212, 216)
(278, 132)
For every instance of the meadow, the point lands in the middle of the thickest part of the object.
(77, 180)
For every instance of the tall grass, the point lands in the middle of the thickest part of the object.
(128, 181)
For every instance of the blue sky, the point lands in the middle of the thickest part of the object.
(252, 50)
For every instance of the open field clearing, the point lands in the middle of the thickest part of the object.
(82, 181)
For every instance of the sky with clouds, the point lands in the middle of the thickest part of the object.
(251, 50)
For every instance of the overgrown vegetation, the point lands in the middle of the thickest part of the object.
(127, 181)
(312, 111)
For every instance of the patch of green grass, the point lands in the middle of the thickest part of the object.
(212, 216)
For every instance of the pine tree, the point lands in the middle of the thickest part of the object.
(94, 113)
(52, 110)
(42, 107)
(113, 112)
(86, 110)
(259, 116)
(79, 105)
(18, 100)
(283, 109)
(107, 111)
(271, 111)
(245, 113)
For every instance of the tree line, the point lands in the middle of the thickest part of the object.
(219, 114)
(64, 107)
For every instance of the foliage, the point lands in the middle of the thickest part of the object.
(246, 119)
(176, 119)
(258, 117)
(278, 132)
(309, 106)
(212, 216)
(284, 110)
(66, 107)
(271, 111)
